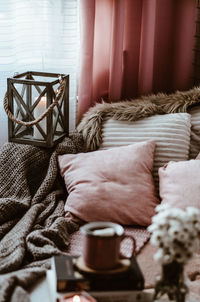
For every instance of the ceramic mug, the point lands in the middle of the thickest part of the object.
(101, 244)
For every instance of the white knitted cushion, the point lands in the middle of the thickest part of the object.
(171, 132)
(195, 132)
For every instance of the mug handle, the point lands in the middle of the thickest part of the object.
(133, 246)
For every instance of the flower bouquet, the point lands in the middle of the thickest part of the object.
(176, 234)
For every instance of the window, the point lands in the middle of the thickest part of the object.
(41, 36)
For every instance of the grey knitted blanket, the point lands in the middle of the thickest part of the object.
(32, 224)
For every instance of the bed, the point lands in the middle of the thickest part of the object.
(34, 226)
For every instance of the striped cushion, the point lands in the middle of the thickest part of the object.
(195, 132)
(171, 132)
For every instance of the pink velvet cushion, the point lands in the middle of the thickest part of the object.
(111, 185)
(180, 183)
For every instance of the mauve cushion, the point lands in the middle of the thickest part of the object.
(111, 185)
(180, 183)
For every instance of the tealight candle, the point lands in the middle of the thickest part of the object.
(82, 297)
(76, 298)
(39, 109)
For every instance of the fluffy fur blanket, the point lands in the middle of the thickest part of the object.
(32, 223)
(91, 124)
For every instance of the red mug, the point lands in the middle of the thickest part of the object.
(101, 246)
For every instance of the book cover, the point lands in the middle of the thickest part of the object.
(67, 278)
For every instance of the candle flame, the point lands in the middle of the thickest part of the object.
(76, 298)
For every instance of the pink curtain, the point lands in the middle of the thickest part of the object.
(134, 47)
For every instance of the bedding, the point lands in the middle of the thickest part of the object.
(32, 198)
(32, 222)
(111, 185)
(91, 127)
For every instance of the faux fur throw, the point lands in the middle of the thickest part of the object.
(91, 124)
(32, 223)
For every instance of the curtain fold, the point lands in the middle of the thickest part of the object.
(116, 57)
(133, 19)
(138, 47)
(87, 27)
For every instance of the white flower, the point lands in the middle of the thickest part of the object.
(157, 237)
(163, 258)
(152, 228)
(189, 228)
(162, 207)
(175, 233)
(167, 241)
(193, 215)
(167, 258)
(177, 214)
(161, 218)
(197, 226)
(183, 237)
(175, 223)
(159, 256)
(191, 211)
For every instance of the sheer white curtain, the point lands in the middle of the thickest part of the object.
(39, 35)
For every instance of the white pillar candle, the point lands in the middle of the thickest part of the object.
(39, 109)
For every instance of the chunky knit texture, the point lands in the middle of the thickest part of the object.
(32, 223)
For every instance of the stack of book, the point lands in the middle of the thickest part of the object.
(124, 284)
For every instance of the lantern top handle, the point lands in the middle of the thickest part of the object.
(38, 73)
(28, 78)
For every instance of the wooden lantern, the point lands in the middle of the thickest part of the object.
(37, 104)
